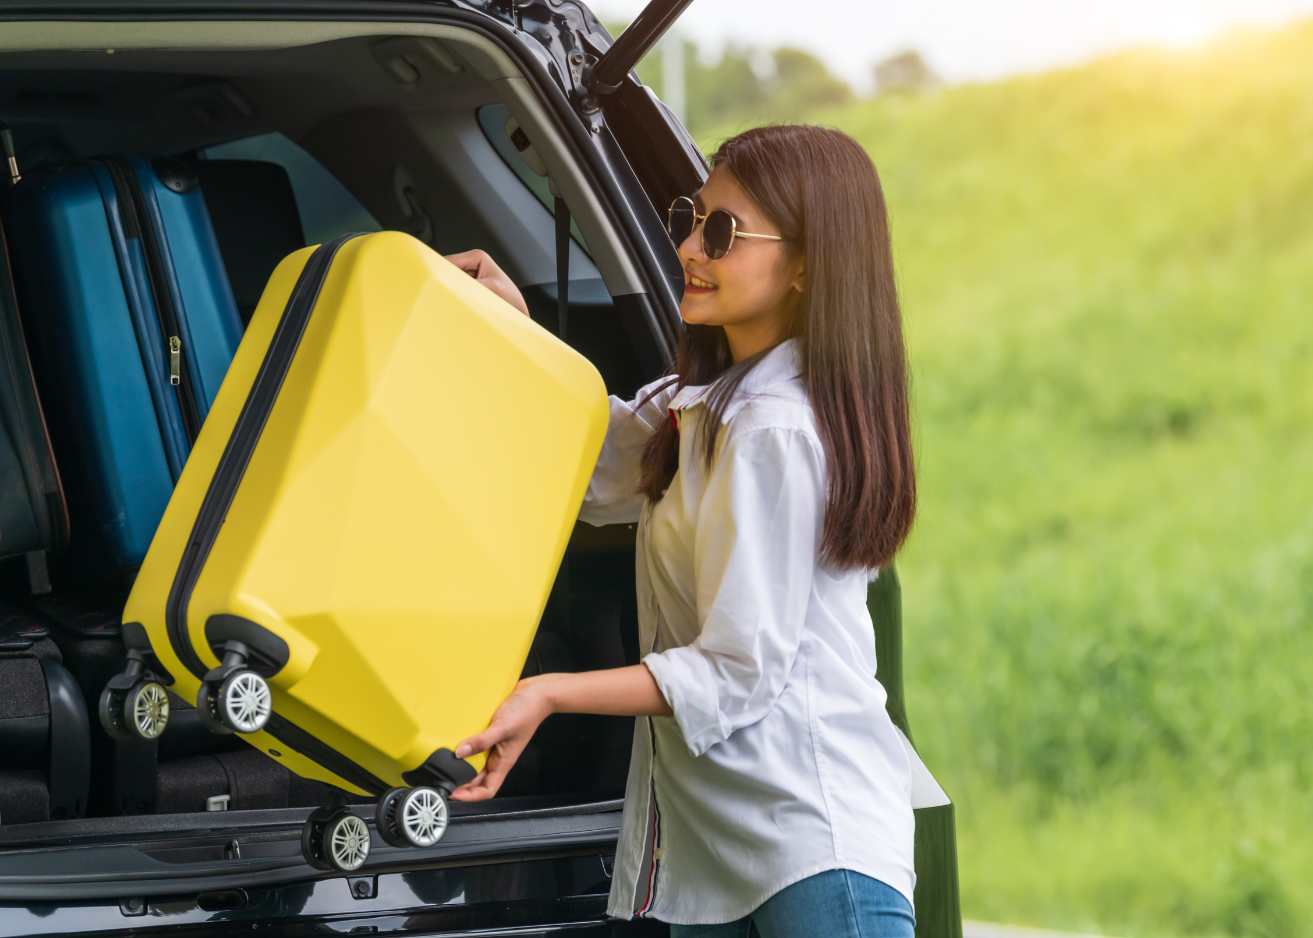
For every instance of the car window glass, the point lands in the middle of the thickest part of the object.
(492, 121)
(326, 207)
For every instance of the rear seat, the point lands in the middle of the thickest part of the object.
(44, 724)
(45, 731)
(33, 513)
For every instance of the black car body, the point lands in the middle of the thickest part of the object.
(445, 119)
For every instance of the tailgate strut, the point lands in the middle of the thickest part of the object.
(650, 25)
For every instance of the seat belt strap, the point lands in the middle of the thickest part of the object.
(562, 266)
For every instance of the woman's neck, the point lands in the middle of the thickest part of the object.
(747, 339)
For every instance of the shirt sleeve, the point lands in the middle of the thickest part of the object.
(612, 496)
(755, 547)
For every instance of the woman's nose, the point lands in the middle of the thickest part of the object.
(690, 249)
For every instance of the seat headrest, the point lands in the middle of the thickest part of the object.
(255, 219)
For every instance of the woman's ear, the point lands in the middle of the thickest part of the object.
(799, 280)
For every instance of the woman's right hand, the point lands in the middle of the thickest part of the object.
(484, 269)
(509, 731)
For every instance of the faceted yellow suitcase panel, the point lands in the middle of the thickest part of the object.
(401, 519)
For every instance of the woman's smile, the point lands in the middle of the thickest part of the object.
(697, 285)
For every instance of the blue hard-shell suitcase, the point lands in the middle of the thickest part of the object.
(133, 325)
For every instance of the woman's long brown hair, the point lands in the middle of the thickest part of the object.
(820, 188)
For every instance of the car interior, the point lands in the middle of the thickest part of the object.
(295, 136)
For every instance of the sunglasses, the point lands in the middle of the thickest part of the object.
(719, 228)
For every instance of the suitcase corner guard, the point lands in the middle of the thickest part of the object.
(261, 646)
(442, 770)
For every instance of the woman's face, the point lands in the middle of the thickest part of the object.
(748, 289)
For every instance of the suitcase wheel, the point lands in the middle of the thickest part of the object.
(335, 839)
(412, 817)
(139, 712)
(239, 703)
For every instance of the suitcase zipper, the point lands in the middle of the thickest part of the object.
(175, 360)
(223, 488)
(133, 203)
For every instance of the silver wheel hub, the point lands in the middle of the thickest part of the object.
(150, 711)
(424, 817)
(349, 843)
(247, 702)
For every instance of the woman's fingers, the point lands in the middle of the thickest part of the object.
(481, 742)
(480, 265)
(477, 263)
(469, 261)
(499, 763)
(471, 790)
(506, 737)
(487, 783)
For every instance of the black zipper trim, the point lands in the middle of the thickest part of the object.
(231, 468)
(131, 195)
(223, 488)
(295, 738)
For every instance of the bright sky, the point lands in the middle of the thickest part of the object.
(963, 39)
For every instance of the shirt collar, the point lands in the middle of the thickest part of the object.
(782, 363)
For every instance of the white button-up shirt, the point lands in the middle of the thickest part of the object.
(780, 760)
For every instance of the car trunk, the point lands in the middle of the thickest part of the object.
(202, 802)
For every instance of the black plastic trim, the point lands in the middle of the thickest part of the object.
(160, 864)
(70, 743)
(443, 769)
(295, 738)
(134, 636)
(223, 627)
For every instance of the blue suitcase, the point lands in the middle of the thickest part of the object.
(133, 325)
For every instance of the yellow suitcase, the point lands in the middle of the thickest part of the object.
(360, 547)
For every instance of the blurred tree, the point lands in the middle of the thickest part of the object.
(903, 71)
(802, 83)
(733, 89)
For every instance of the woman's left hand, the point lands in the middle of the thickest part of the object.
(509, 731)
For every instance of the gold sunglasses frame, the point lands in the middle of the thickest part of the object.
(700, 217)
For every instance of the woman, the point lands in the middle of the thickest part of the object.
(769, 793)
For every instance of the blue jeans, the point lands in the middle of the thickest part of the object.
(833, 903)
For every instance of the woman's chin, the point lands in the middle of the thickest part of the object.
(693, 316)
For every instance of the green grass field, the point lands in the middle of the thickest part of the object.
(1107, 285)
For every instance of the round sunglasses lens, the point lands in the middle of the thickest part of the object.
(680, 222)
(717, 233)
